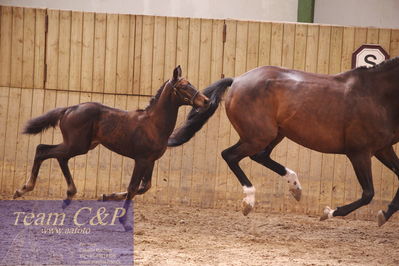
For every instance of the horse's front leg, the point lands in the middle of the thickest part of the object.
(362, 165)
(389, 158)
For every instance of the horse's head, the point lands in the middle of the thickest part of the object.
(185, 92)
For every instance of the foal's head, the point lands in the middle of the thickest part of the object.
(186, 93)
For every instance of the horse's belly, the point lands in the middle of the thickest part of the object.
(320, 137)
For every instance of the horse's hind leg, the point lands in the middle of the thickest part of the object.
(389, 158)
(290, 176)
(233, 156)
(42, 153)
(362, 165)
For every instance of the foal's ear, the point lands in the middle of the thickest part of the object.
(177, 73)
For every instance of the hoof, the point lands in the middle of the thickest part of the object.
(381, 218)
(128, 227)
(65, 203)
(102, 198)
(327, 213)
(296, 193)
(16, 195)
(246, 208)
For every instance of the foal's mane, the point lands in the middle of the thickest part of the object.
(154, 99)
(384, 66)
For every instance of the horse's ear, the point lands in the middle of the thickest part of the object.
(177, 73)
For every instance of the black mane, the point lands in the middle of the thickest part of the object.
(383, 66)
(154, 99)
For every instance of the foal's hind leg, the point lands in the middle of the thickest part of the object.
(233, 156)
(42, 153)
(362, 166)
(389, 158)
(290, 176)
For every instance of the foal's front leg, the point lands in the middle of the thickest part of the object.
(140, 169)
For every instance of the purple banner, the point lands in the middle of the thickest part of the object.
(41, 232)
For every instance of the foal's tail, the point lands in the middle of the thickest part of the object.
(43, 122)
(195, 120)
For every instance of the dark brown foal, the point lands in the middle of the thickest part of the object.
(141, 135)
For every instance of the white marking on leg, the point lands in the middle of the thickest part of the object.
(292, 179)
(329, 212)
(250, 195)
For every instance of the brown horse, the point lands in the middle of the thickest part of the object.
(141, 135)
(355, 113)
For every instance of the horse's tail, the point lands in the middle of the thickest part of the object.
(195, 120)
(45, 121)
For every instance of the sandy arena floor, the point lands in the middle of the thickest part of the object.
(191, 236)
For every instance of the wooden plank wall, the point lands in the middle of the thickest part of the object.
(121, 60)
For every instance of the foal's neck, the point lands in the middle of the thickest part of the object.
(164, 113)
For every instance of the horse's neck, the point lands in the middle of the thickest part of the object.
(164, 113)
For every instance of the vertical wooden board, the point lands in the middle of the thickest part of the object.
(75, 69)
(138, 33)
(372, 35)
(21, 160)
(40, 36)
(265, 191)
(64, 52)
(313, 189)
(6, 20)
(100, 29)
(241, 48)
(124, 54)
(131, 46)
(11, 140)
(172, 180)
(77, 165)
(34, 140)
(301, 31)
(111, 53)
(147, 48)
(279, 153)
(93, 164)
(394, 47)
(212, 134)
(4, 101)
(88, 51)
(28, 48)
(175, 167)
(348, 39)
(327, 170)
(253, 45)
(52, 49)
(104, 159)
(115, 178)
(225, 182)
(17, 46)
(57, 184)
(158, 60)
(303, 154)
(192, 187)
(339, 168)
(288, 148)
(360, 37)
(203, 184)
(265, 37)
